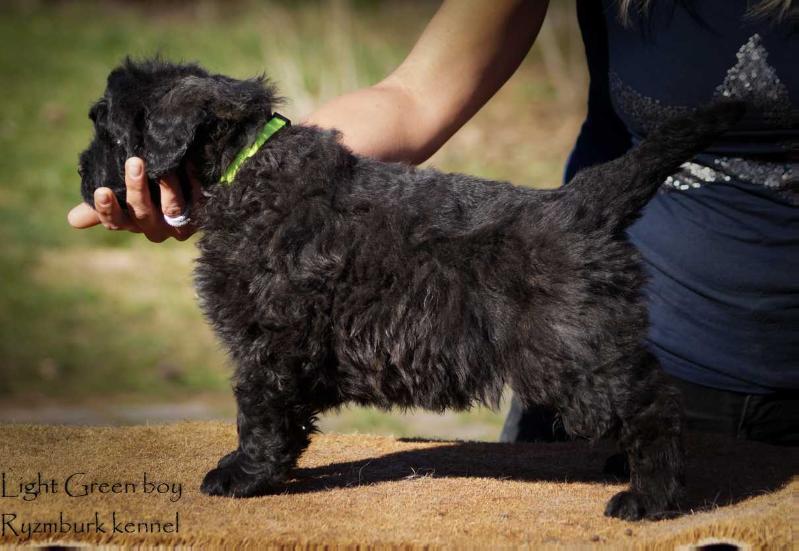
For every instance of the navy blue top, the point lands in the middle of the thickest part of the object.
(721, 240)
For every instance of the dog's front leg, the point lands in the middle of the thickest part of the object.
(273, 431)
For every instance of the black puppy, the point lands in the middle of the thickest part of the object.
(333, 278)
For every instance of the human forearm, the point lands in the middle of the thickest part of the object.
(374, 122)
(465, 54)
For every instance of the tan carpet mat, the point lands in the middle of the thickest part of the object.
(369, 491)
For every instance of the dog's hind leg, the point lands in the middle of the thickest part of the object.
(651, 436)
(273, 430)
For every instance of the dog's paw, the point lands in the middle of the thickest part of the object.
(228, 459)
(626, 506)
(230, 479)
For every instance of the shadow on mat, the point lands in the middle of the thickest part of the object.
(720, 471)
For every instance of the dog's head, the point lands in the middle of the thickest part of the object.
(168, 114)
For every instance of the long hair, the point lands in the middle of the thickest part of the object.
(775, 10)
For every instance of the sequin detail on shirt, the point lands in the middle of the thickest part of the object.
(752, 80)
(782, 178)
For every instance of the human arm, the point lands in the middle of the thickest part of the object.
(465, 54)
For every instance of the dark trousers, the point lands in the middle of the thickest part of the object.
(771, 418)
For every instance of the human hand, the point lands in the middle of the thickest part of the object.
(143, 215)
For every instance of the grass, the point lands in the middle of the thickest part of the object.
(95, 313)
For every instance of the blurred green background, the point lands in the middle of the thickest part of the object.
(102, 327)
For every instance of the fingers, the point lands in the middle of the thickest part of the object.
(175, 204)
(109, 212)
(143, 215)
(82, 216)
(172, 203)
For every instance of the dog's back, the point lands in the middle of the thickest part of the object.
(456, 285)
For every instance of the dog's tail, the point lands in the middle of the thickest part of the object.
(612, 194)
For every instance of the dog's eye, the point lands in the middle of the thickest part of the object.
(119, 142)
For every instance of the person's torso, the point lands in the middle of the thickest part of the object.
(721, 241)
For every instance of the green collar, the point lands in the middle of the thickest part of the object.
(275, 123)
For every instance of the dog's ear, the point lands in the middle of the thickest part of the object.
(172, 124)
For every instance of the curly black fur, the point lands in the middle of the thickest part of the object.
(333, 278)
